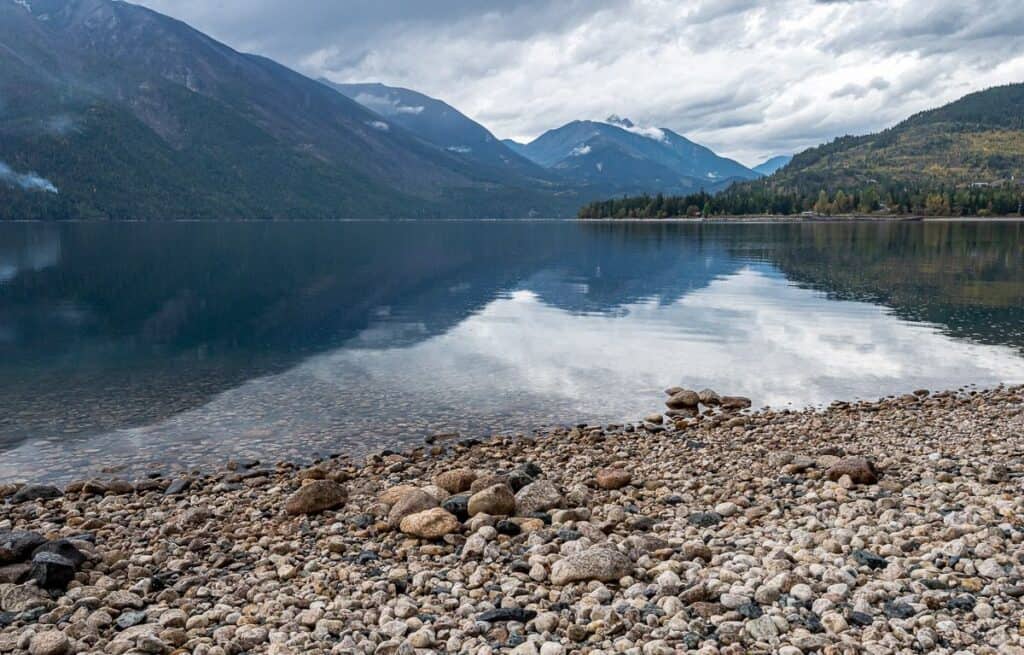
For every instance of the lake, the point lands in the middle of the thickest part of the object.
(131, 347)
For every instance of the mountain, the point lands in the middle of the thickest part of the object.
(439, 123)
(963, 159)
(773, 164)
(977, 140)
(110, 110)
(621, 157)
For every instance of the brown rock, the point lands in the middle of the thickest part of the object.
(395, 494)
(430, 524)
(315, 497)
(455, 481)
(413, 502)
(613, 478)
(496, 500)
(487, 480)
(735, 402)
(683, 399)
(860, 470)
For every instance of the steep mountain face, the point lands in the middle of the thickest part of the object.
(131, 114)
(621, 157)
(772, 164)
(439, 123)
(977, 140)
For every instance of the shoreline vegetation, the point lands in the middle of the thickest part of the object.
(743, 201)
(883, 526)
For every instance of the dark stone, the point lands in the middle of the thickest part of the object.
(963, 603)
(517, 479)
(362, 521)
(566, 534)
(17, 546)
(896, 610)
(750, 611)
(507, 614)
(520, 566)
(458, 506)
(869, 559)
(692, 640)
(543, 516)
(642, 523)
(130, 618)
(674, 499)
(704, 519)
(7, 618)
(36, 492)
(507, 528)
(531, 469)
(32, 614)
(51, 571)
(862, 619)
(65, 549)
(813, 623)
(177, 486)
(366, 557)
(935, 584)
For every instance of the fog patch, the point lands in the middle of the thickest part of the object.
(27, 181)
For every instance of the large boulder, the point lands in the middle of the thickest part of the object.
(412, 502)
(596, 563)
(316, 497)
(455, 481)
(394, 494)
(683, 399)
(51, 571)
(860, 469)
(613, 478)
(64, 548)
(430, 524)
(17, 545)
(496, 500)
(538, 496)
(49, 642)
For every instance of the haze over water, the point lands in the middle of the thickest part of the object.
(170, 345)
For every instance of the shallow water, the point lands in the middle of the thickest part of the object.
(138, 346)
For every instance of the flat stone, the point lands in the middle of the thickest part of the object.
(596, 563)
(507, 614)
(35, 492)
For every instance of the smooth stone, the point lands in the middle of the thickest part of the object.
(496, 500)
(456, 481)
(18, 545)
(430, 524)
(413, 502)
(507, 614)
(613, 478)
(596, 563)
(859, 469)
(35, 492)
(315, 497)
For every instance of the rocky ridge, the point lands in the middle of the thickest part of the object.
(894, 526)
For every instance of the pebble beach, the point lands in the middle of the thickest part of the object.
(891, 526)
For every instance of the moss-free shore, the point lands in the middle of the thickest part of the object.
(894, 526)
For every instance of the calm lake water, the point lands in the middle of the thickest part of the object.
(177, 345)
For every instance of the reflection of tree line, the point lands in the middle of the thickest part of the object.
(967, 277)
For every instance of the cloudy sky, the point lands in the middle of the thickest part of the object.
(747, 78)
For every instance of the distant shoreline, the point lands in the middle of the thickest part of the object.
(752, 219)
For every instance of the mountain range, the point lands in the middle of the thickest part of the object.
(127, 113)
(111, 110)
(622, 157)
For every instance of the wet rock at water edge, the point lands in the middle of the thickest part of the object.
(684, 399)
(35, 492)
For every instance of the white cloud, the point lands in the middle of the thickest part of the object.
(750, 79)
(379, 125)
(386, 106)
(580, 151)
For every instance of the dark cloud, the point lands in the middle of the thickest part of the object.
(747, 77)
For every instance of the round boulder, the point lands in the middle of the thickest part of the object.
(683, 399)
(455, 481)
(597, 563)
(414, 501)
(613, 478)
(496, 500)
(538, 497)
(430, 524)
(316, 497)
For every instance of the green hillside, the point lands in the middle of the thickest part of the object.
(966, 158)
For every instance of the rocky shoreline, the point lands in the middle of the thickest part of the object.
(894, 526)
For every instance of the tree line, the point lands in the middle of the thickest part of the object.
(745, 200)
